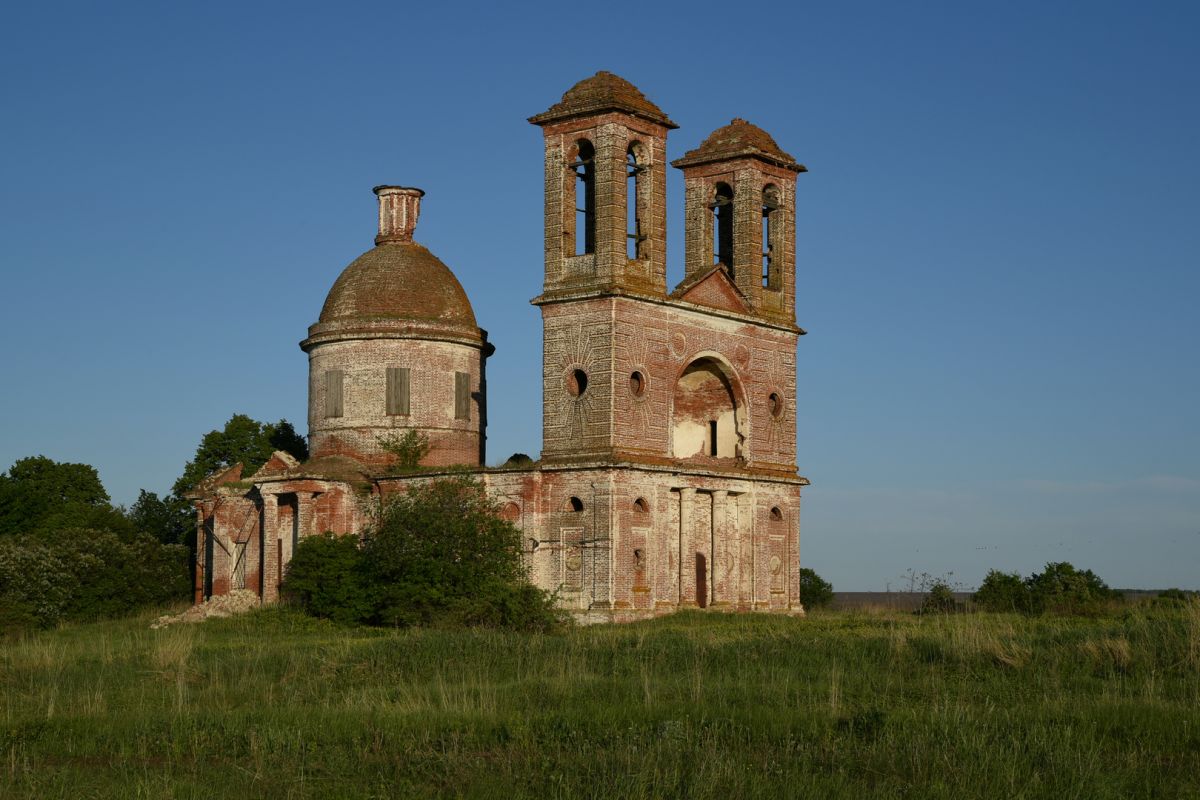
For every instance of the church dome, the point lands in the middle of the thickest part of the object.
(398, 288)
(398, 281)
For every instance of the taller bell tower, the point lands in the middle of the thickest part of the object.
(605, 188)
(605, 242)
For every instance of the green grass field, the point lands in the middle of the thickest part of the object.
(837, 705)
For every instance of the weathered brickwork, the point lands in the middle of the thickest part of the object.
(611, 338)
(668, 471)
(364, 420)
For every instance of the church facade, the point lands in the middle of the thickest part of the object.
(667, 477)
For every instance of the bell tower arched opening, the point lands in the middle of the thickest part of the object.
(708, 419)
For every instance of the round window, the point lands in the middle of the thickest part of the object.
(637, 383)
(775, 402)
(577, 382)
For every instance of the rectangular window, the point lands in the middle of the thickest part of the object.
(397, 391)
(333, 393)
(462, 395)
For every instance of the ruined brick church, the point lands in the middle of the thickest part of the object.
(667, 477)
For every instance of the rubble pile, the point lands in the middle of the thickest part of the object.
(239, 601)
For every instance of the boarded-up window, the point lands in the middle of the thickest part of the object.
(397, 390)
(333, 393)
(462, 395)
(239, 565)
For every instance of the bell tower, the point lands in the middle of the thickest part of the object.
(605, 189)
(740, 213)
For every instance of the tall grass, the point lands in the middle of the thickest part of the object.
(701, 705)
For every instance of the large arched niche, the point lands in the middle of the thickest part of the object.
(708, 401)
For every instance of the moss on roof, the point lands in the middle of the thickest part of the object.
(602, 92)
(399, 280)
(739, 139)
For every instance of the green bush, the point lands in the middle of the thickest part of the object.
(437, 555)
(116, 575)
(36, 584)
(1063, 589)
(407, 450)
(1003, 591)
(939, 599)
(440, 554)
(1174, 597)
(815, 591)
(325, 578)
(83, 574)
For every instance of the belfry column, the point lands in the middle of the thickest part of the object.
(687, 496)
(270, 549)
(718, 548)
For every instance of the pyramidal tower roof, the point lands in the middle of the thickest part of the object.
(739, 139)
(602, 92)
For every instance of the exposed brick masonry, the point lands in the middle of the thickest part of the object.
(668, 472)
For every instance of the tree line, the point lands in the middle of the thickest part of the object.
(67, 553)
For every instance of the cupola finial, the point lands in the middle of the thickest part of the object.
(399, 207)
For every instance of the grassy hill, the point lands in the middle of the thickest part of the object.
(838, 705)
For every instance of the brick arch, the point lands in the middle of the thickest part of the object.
(709, 397)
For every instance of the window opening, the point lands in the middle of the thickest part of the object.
(712, 437)
(577, 382)
(239, 565)
(462, 395)
(575, 505)
(585, 198)
(333, 393)
(397, 391)
(776, 404)
(776, 514)
(633, 208)
(722, 207)
(641, 506)
(770, 221)
(637, 384)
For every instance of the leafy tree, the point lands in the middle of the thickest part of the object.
(518, 460)
(68, 554)
(1003, 591)
(243, 440)
(1063, 588)
(325, 577)
(62, 482)
(37, 490)
(815, 591)
(440, 553)
(170, 519)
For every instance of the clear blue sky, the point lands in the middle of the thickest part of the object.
(998, 239)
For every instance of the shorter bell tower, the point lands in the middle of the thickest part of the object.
(740, 212)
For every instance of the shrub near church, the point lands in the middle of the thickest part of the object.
(439, 554)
